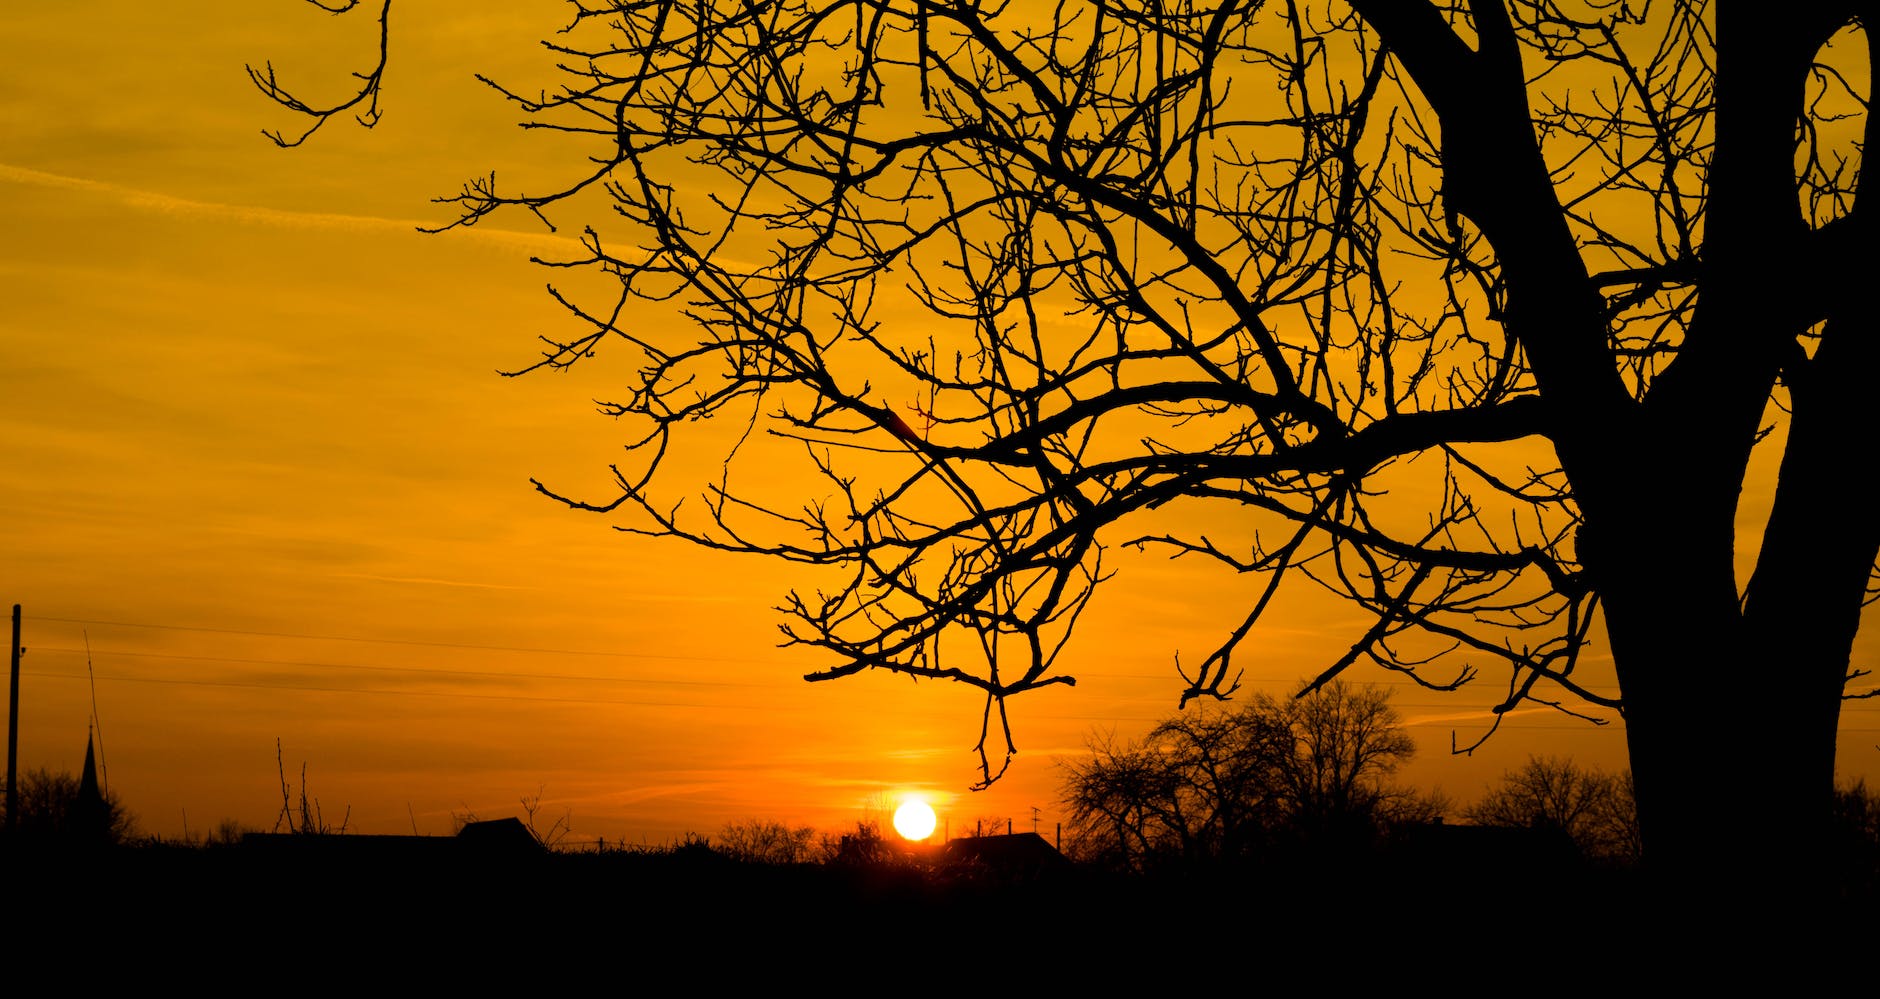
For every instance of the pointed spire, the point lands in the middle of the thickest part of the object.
(88, 780)
(91, 819)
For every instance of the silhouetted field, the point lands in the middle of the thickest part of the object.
(233, 913)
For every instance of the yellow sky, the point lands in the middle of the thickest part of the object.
(256, 450)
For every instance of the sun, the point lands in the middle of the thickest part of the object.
(914, 820)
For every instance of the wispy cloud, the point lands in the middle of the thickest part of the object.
(423, 581)
(1481, 716)
(541, 244)
(654, 792)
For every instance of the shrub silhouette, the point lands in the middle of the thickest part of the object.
(52, 812)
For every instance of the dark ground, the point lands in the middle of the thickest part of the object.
(693, 921)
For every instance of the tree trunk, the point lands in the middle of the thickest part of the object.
(1732, 698)
(1731, 738)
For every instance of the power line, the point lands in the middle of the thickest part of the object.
(541, 650)
(576, 652)
(171, 681)
(408, 669)
(400, 641)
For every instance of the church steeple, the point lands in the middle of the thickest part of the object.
(91, 817)
(88, 781)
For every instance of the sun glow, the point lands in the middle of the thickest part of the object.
(914, 820)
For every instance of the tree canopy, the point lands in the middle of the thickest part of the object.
(1591, 806)
(56, 810)
(1225, 786)
(1472, 313)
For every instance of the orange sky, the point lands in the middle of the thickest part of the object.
(256, 449)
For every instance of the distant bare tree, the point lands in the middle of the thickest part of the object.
(1857, 839)
(302, 816)
(759, 841)
(865, 845)
(1348, 742)
(555, 833)
(1191, 790)
(1213, 784)
(1592, 807)
(227, 832)
(52, 812)
(983, 825)
(1625, 840)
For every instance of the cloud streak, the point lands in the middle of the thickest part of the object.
(157, 202)
(1482, 716)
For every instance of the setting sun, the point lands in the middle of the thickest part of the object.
(914, 819)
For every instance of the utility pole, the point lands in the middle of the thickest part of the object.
(13, 732)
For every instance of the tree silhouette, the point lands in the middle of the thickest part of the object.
(1214, 786)
(763, 841)
(55, 811)
(1591, 806)
(1856, 840)
(1200, 787)
(1346, 743)
(1473, 313)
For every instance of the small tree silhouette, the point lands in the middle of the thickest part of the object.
(555, 833)
(300, 814)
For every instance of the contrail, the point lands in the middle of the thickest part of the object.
(169, 204)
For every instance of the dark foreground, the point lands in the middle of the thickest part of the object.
(693, 922)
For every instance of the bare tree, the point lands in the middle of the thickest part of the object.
(1214, 785)
(1347, 743)
(1856, 841)
(1196, 788)
(1470, 311)
(555, 834)
(762, 841)
(54, 812)
(1591, 806)
(304, 817)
